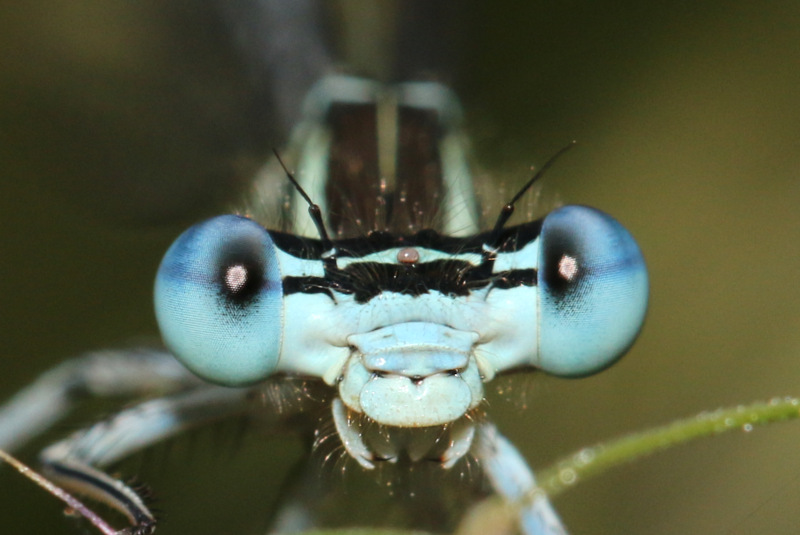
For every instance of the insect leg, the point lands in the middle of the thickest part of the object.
(297, 511)
(75, 463)
(512, 479)
(113, 373)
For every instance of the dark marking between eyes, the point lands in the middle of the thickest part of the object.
(365, 280)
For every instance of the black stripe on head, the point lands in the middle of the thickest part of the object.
(512, 239)
(365, 280)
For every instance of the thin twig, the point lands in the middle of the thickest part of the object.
(71, 502)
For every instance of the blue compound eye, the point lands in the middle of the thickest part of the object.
(592, 291)
(219, 301)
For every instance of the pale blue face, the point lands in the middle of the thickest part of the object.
(408, 342)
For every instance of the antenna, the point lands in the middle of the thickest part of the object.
(508, 209)
(329, 256)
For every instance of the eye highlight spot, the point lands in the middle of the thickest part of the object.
(236, 278)
(568, 267)
(409, 255)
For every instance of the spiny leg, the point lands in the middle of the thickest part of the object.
(74, 463)
(306, 488)
(113, 373)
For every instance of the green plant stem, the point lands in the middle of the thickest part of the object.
(592, 461)
(595, 460)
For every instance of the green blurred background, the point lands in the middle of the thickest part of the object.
(123, 122)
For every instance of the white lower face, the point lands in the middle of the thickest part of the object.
(414, 374)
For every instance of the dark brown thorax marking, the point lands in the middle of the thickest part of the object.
(384, 170)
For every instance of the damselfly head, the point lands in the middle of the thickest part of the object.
(406, 326)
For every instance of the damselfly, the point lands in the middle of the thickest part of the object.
(393, 325)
